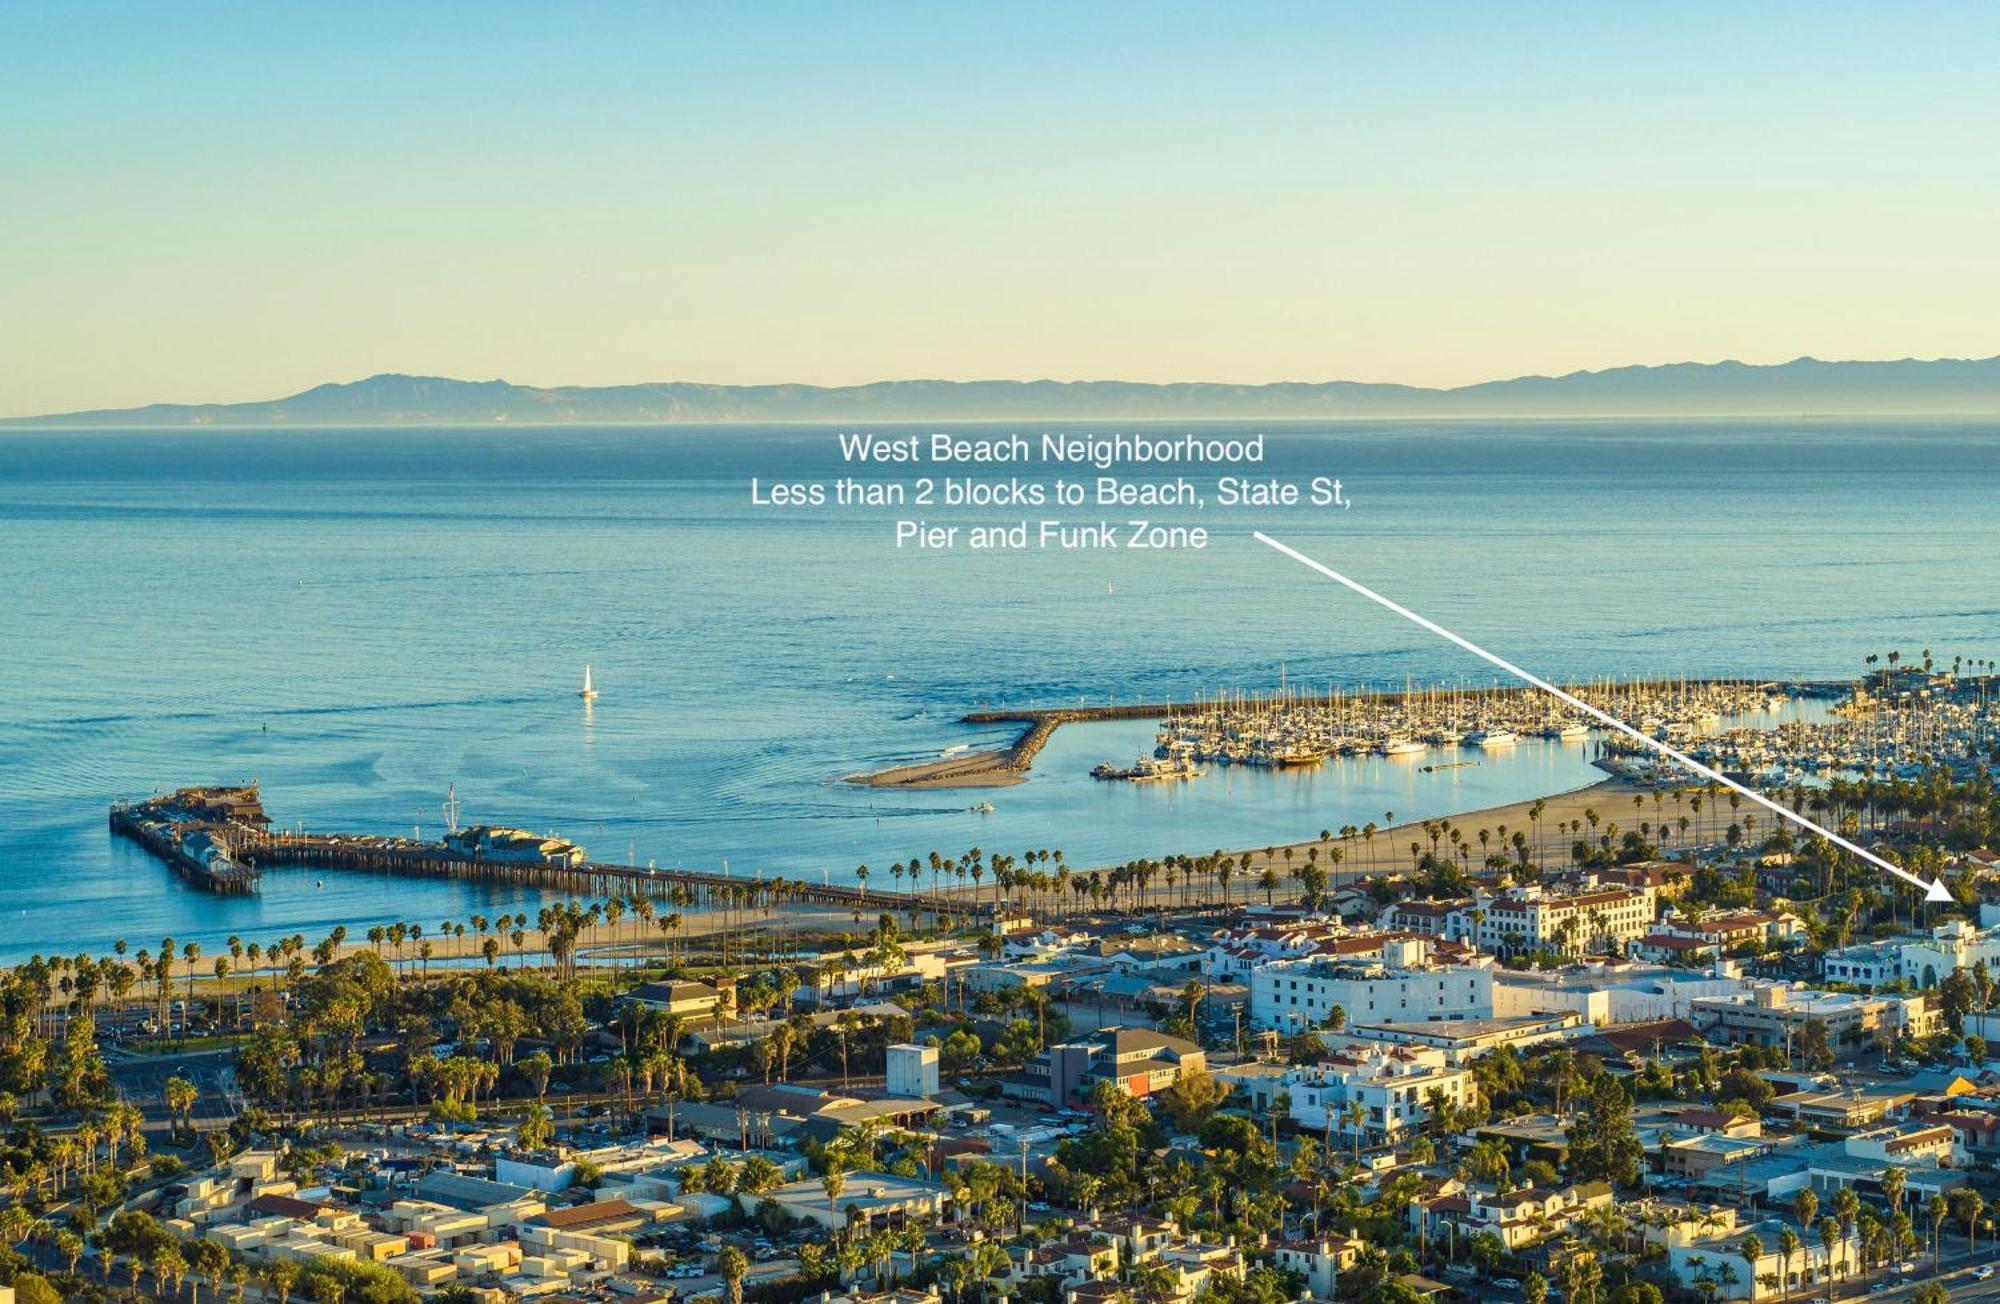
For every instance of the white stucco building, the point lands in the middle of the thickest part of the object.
(1392, 1086)
(1405, 984)
(1923, 961)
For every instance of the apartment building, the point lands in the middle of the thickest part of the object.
(1379, 1092)
(1404, 984)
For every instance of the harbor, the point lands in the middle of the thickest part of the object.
(1292, 728)
(1902, 733)
(1303, 730)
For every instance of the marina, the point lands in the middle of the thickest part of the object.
(1922, 723)
(1297, 729)
(1290, 729)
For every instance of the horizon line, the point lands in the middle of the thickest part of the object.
(1414, 391)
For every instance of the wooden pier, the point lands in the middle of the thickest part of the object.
(163, 827)
(168, 840)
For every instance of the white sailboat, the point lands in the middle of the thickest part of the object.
(589, 693)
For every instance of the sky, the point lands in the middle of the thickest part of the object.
(222, 202)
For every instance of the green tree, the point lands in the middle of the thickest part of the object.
(283, 1277)
(537, 1128)
(1602, 1143)
(1193, 1100)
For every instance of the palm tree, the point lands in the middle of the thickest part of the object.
(1967, 1204)
(1354, 1117)
(180, 1097)
(1893, 1181)
(70, 1246)
(1829, 1237)
(732, 1266)
(1752, 1249)
(168, 1264)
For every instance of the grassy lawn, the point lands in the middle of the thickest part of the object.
(183, 1045)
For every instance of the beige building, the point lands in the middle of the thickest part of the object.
(1531, 919)
(686, 1000)
(1699, 1242)
(1777, 1015)
(1519, 1218)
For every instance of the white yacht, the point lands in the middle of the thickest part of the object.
(589, 692)
(1492, 738)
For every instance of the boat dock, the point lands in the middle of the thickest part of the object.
(219, 839)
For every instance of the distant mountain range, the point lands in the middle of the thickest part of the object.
(1803, 387)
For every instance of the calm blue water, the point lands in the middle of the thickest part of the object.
(358, 618)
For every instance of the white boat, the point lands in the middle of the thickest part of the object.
(1492, 738)
(1151, 769)
(1568, 733)
(589, 693)
(1401, 747)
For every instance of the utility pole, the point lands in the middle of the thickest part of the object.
(1021, 1221)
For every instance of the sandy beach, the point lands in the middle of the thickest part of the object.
(1549, 838)
(989, 769)
(1389, 851)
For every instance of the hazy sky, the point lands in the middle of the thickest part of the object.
(236, 201)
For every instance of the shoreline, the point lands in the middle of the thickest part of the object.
(1387, 854)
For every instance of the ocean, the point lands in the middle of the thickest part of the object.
(359, 619)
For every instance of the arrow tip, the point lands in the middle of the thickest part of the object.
(1938, 892)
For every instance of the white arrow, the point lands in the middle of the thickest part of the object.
(1935, 890)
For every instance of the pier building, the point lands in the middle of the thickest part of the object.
(515, 846)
